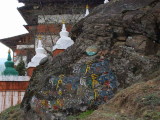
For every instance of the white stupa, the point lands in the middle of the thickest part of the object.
(64, 41)
(87, 10)
(106, 1)
(40, 54)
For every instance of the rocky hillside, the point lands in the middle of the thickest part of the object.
(124, 36)
(141, 101)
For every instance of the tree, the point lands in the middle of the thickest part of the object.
(21, 68)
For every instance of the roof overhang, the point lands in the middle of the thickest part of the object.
(33, 8)
(12, 42)
(56, 1)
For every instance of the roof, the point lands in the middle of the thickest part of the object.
(27, 13)
(12, 42)
(46, 1)
(33, 8)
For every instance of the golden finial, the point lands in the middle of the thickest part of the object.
(9, 51)
(39, 37)
(87, 6)
(63, 22)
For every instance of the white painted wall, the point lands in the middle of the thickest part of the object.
(24, 46)
(14, 78)
(68, 18)
(10, 98)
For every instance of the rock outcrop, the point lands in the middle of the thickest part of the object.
(126, 33)
(139, 101)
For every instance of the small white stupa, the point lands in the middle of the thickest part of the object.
(87, 10)
(40, 54)
(64, 41)
(106, 1)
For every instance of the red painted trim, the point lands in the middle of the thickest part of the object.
(57, 51)
(30, 71)
(13, 85)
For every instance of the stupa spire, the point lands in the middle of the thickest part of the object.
(39, 42)
(9, 55)
(63, 26)
(10, 70)
(87, 10)
(106, 1)
(64, 31)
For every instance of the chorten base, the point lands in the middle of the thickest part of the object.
(30, 71)
(57, 51)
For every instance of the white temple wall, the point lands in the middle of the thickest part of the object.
(68, 18)
(14, 78)
(24, 46)
(10, 98)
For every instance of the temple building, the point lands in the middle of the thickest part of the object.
(22, 47)
(44, 17)
(12, 86)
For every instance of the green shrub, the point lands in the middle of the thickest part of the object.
(81, 115)
(21, 68)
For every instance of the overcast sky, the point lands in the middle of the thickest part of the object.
(11, 22)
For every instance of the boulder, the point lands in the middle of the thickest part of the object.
(138, 42)
(127, 35)
(43, 61)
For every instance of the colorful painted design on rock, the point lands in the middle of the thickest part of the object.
(92, 84)
(92, 50)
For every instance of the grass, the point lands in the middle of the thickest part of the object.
(152, 99)
(81, 116)
(151, 115)
(12, 113)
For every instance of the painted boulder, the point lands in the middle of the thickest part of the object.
(91, 84)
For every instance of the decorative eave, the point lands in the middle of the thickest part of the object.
(27, 12)
(60, 1)
(12, 42)
(33, 8)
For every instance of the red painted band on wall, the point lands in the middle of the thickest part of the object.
(58, 51)
(13, 85)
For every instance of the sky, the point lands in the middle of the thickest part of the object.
(11, 22)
